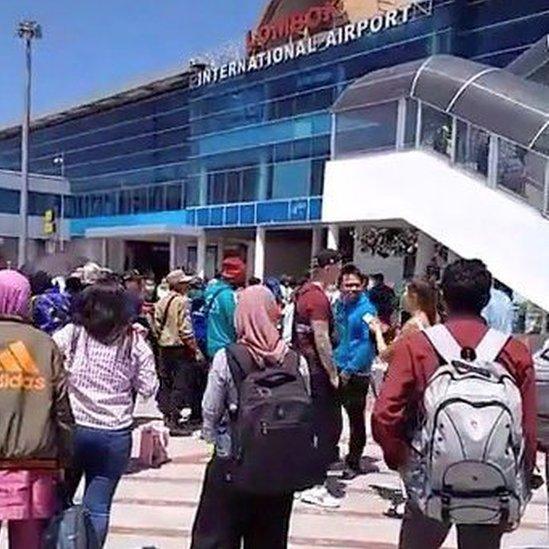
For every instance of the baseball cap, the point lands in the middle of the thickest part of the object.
(325, 258)
(179, 276)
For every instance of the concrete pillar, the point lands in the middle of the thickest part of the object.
(116, 254)
(178, 252)
(220, 253)
(173, 251)
(263, 183)
(203, 188)
(201, 255)
(316, 243)
(250, 257)
(333, 237)
(104, 252)
(259, 255)
(425, 253)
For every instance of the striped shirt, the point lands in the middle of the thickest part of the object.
(103, 379)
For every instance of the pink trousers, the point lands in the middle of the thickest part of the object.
(26, 534)
(28, 498)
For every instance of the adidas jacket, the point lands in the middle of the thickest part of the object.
(35, 415)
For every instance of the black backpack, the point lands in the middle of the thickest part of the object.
(71, 529)
(274, 448)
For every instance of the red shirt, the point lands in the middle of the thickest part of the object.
(414, 361)
(312, 304)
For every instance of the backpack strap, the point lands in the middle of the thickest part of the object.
(164, 320)
(491, 345)
(240, 361)
(443, 342)
(209, 303)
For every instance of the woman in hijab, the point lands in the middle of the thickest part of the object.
(33, 397)
(225, 516)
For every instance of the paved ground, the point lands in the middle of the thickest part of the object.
(156, 508)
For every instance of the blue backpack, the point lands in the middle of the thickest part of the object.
(200, 310)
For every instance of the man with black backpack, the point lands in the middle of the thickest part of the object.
(457, 418)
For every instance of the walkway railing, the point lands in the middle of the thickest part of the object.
(293, 211)
(411, 124)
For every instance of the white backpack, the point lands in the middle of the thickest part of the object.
(471, 442)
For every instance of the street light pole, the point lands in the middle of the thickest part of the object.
(59, 160)
(27, 31)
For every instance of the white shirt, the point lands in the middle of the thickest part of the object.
(103, 379)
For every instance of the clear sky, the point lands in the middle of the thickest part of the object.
(94, 47)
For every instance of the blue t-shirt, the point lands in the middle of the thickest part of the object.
(355, 350)
(499, 312)
(220, 309)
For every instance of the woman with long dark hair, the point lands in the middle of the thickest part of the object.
(108, 361)
(420, 301)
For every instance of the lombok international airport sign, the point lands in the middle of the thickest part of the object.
(283, 37)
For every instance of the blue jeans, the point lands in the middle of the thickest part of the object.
(102, 457)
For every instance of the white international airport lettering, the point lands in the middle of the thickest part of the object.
(300, 48)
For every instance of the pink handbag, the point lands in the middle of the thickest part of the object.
(153, 446)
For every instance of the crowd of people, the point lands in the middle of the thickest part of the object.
(266, 370)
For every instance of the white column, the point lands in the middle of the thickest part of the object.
(250, 257)
(201, 255)
(220, 253)
(401, 125)
(333, 237)
(263, 184)
(316, 243)
(104, 252)
(173, 252)
(425, 252)
(203, 188)
(259, 255)
(178, 252)
(116, 254)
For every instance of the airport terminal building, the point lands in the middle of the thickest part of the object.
(237, 155)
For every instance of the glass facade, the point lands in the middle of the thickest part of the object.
(265, 136)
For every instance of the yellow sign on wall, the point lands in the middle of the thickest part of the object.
(49, 222)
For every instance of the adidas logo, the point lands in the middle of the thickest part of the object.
(18, 371)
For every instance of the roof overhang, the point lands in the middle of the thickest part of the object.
(490, 98)
(143, 231)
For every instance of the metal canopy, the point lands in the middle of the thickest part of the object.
(488, 97)
(533, 64)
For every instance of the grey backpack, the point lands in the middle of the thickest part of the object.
(71, 529)
(541, 362)
(471, 442)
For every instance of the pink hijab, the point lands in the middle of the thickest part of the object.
(256, 316)
(15, 294)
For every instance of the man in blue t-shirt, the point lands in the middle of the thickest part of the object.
(221, 305)
(353, 356)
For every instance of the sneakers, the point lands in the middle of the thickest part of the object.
(177, 429)
(350, 473)
(353, 469)
(320, 496)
